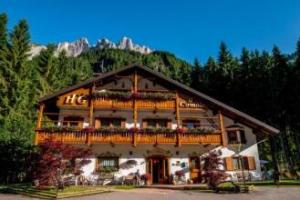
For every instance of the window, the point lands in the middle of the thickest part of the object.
(107, 163)
(190, 123)
(156, 123)
(109, 123)
(243, 137)
(236, 136)
(239, 163)
(232, 137)
(73, 121)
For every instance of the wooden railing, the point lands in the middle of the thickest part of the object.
(112, 103)
(194, 138)
(152, 104)
(82, 137)
(128, 104)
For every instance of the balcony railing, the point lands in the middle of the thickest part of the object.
(126, 136)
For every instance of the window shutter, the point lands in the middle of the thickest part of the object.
(144, 124)
(251, 163)
(97, 123)
(123, 123)
(80, 124)
(229, 165)
(245, 163)
(97, 164)
(169, 124)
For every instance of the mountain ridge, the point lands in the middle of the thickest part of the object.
(77, 47)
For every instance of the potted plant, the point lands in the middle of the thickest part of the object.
(147, 178)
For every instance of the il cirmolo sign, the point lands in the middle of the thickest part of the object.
(190, 104)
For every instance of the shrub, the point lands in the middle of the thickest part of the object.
(213, 174)
(146, 177)
(55, 159)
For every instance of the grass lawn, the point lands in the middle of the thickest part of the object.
(51, 192)
(271, 183)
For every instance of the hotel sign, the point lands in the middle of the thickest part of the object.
(75, 99)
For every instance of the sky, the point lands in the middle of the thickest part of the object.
(188, 28)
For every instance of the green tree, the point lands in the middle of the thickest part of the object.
(196, 75)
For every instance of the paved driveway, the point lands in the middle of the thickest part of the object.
(260, 193)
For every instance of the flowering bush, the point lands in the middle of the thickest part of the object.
(55, 159)
(112, 130)
(129, 95)
(213, 174)
(113, 95)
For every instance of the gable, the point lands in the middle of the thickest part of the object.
(190, 99)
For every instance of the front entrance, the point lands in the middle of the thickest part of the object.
(195, 170)
(158, 167)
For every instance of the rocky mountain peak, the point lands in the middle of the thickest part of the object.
(73, 48)
(82, 45)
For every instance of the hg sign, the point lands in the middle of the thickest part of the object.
(78, 99)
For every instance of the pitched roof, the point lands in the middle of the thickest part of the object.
(227, 110)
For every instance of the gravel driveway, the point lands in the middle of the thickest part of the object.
(260, 193)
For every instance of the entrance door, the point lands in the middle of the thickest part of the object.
(195, 171)
(158, 168)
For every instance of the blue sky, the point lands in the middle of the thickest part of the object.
(187, 28)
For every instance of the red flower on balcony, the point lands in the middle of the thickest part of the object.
(136, 95)
(180, 130)
(88, 129)
(133, 130)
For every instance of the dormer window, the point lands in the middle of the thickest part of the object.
(236, 135)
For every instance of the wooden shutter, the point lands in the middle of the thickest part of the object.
(97, 123)
(229, 164)
(97, 165)
(251, 163)
(123, 123)
(80, 124)
(245, 162)
(169, 124)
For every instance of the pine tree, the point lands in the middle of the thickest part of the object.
(3, 81)
(18, 102)
(196, 75)
(279, 75)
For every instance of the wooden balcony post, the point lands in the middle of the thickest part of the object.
(178, 141)
(91, 113)
(39, 122)
(91, 104)
(223, 131)
(135, 89)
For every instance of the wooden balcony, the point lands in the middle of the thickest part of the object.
(128, 104)
(151, 104)
(112, 103)
(128, 137)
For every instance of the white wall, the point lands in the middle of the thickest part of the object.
(139, 152)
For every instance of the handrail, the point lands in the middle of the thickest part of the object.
(81, 136)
